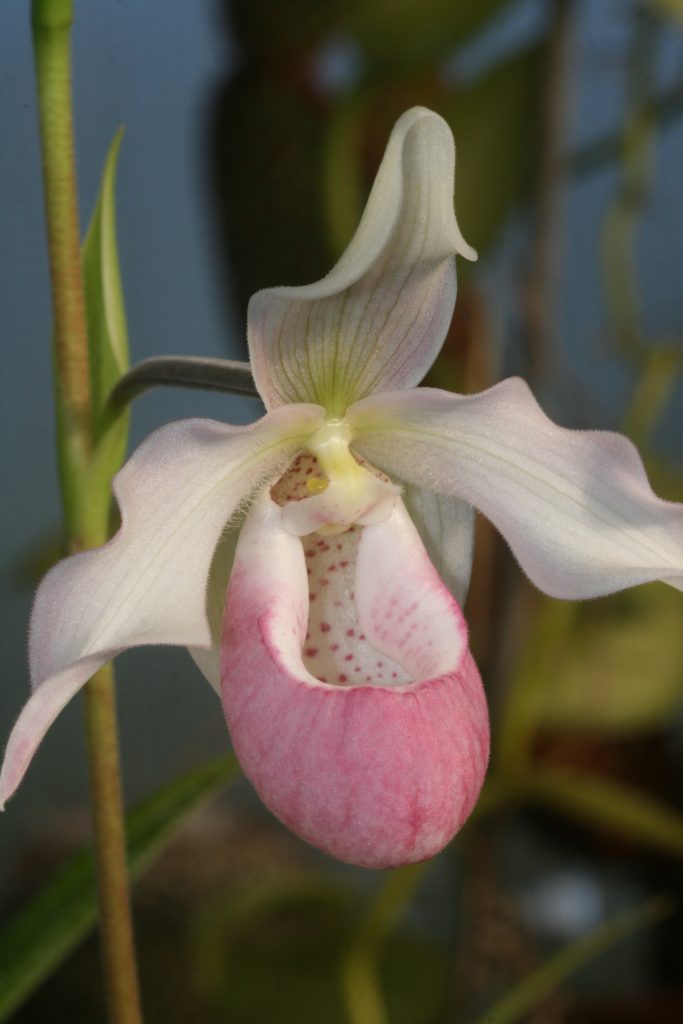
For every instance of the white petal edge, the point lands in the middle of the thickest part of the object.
(148, 584)
(574, 505)
(446, 527)
(378, 319)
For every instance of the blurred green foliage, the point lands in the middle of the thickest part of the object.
(292, 161)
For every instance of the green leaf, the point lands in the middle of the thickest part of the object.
(669, 9)
(107, 334)
(343, 187)
(107, 340)
(541, 982)
(400, 34)
(607, 804)
(360, 967)
(619, 671)
(43, 933)
(496, 123)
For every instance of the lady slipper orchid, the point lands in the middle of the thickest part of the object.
(332, 626)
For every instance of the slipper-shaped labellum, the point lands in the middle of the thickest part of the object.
(313, 561)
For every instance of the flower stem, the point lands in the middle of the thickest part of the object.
(118, 945)
(226, 375)
(51, 24)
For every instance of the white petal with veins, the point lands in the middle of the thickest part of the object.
(147, 585)
(574, 505)
(379, 318)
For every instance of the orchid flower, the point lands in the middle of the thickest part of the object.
(313, 561)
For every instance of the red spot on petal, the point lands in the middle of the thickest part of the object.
(334, 647)
(342, 678)
(311, 652)
(350, 632)
(325, 627)
(348, 657)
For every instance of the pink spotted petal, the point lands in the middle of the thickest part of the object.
(374, 774)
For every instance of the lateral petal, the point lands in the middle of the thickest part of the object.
(148, 584)
(574, 505)
(446, 527)
(378, 319)
(374, 774)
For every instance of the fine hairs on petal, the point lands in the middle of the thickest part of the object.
(575, 506)
(148, 584)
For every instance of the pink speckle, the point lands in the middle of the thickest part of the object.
(343, 678)
(325, 627)
(311, 652)
(350, 632)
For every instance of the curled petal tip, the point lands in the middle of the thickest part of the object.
(377, 320)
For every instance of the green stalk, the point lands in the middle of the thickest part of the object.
(51, 24)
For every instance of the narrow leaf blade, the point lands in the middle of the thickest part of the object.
(43, 933)
(598, 801)
(517, 1003)
(107, 333)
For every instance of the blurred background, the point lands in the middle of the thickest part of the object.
(253, 131)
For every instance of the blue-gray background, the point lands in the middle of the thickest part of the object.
(152, 66)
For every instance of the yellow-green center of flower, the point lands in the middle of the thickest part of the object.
(337, 491)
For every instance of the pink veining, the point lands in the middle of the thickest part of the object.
(379, 766)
